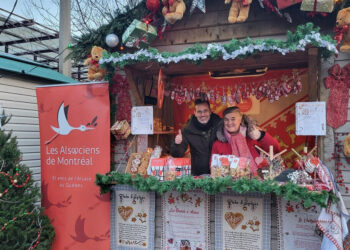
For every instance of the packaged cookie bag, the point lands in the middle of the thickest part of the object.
(224, 165)
(239, 167)
(214, 166)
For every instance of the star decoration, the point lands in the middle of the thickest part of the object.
(200, 4)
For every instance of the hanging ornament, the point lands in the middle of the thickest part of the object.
(249, 89)
(238, 96)
(230, 100)
(153, 5)
(217, 96)
(192, 94)
(259, 93)
(198, 93)
(223, 97)
(245, 93)
(233, 93)
(286, 88)
(212, 96)
(172, 95)
(254, 89)
(200, 4)
(187, 96)
(112, 40)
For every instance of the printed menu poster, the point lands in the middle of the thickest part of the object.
(185, 220)
(310, 118)
(142, 120)
(242, 222)
(132, 218)
(297, 226)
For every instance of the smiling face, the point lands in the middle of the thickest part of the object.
(202, 112)
(232, 122)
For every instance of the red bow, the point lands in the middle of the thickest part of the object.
(339, 33)
(337, 75)
(93, 62)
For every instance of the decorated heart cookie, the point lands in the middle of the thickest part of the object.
(233, 219)
(125, 212)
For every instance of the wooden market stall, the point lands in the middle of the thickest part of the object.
(214, 28)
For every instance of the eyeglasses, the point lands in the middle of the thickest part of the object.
(206, 111)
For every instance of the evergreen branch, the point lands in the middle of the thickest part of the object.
(289, 190)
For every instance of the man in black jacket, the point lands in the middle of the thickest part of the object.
(200, 134)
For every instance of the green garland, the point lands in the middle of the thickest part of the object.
(304, 36)
(289, 191)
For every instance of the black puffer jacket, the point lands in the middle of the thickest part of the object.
(200, 142)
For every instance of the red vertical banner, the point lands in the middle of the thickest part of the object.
(75, 145)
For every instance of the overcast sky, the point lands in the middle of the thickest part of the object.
(20, 8)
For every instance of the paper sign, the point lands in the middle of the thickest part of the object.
(133, 216)
(298, 228)
(142, 120)
(310, 118)
(185, 221)
(242, 222)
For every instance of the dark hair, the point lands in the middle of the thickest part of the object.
(231, 110)
(201, 101)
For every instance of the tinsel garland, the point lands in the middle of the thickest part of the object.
(305, 35)
(289, 191)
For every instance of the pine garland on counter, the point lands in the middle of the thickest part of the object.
(211, 186)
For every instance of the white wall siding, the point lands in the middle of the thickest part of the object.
(18, 98)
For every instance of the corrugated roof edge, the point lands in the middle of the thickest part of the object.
(27, 67)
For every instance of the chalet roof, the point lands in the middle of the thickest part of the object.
(25, 66)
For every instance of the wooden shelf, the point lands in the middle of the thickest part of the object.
(163, 132)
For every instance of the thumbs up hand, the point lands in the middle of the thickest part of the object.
(178, 138)
(254, 133)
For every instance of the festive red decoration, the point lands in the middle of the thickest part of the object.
(14, 182)
(339, 33)
(153, 5)
(120, 88)
(282, 4)
(339, 83)
(337, 156)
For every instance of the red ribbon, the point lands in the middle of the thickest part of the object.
(93, 62)
(314, 11)
(269, 7)
(244, 2)
(315, 5)
(339, 33)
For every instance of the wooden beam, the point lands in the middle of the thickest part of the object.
(314, 89)
(270, 60)
(313, 74)
(133, 86)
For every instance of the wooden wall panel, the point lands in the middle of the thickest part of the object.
(18, 98)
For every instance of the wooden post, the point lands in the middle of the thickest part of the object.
(271, 159)
(314, 87)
